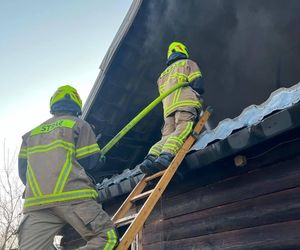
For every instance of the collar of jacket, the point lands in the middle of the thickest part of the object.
(175, 57)
(64, 114)
(65, 105)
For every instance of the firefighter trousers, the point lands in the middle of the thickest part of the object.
(176, 129)
(38, 228)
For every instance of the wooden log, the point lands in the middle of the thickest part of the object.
(250, 185)
(263, 210)
(284, 235)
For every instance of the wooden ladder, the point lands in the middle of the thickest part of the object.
(137, 220)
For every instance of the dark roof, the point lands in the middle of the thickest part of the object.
(242, 59)
(256, 125)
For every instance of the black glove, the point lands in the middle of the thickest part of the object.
(198, 85)
(102, 160)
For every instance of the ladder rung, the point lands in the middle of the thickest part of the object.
(125, 221)
(142, 195)
(152, 177)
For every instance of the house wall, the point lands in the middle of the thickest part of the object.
(259, 209)
(225, 207)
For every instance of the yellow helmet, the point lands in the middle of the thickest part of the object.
(177, 47)
(65, 99)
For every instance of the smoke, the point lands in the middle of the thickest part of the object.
(245, 48)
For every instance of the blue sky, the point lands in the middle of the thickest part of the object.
(46, 44)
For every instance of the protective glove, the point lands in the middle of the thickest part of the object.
(198, 85)
(102, 160)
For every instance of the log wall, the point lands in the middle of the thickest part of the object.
(259, 209)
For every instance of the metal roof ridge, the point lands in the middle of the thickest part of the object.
(281, 98)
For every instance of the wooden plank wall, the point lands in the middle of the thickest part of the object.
(259, 209)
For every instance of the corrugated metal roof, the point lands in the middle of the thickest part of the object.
(278, 100)
(251, 116)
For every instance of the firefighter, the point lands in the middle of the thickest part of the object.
(53, 162)
(180, 108)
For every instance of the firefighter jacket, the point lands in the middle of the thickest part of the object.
(186, 98)
(53, 172)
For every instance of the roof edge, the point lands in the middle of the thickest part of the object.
(121, 33)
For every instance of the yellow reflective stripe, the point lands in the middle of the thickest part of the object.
(194, 75)
(169, 147)
(47, 147)
(155, 149)
(180, 63)
(172, 146)
(162, 87)
(178, 74)
(154, 152)
(23, 153)
(175, 142)
(157, 146)
(65, 196)
(48, 127)
(32, 182)
(64, 174)
(23, 150)
(186, 131)
(182, 104)
(176, 138)
(87, 150)
(111, 240)
(79, 150)
(176, 96)
(186, 102)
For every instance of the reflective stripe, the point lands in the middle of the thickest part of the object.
(171, 108)
(47, 128)
(186, 131)
(156, 149)
(23, 153)
(65, 196)
(180, 63)
(32, 182)
(175, 138)
(168, 147)
(111, 240)
(47, 147)
(154, 152)
(194, 75)
(87, 150)
(175, 143)
(176, 96)
(171, 146)
(179, 76)
(162, 87)
(64, 174)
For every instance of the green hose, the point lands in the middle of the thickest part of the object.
(136, 119)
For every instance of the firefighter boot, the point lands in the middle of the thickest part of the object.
(163, 161)
(147, 165)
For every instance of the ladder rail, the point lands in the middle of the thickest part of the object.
(162, 184)
(127, 204)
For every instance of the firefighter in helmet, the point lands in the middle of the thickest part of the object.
(53, 162)
(180, 108)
